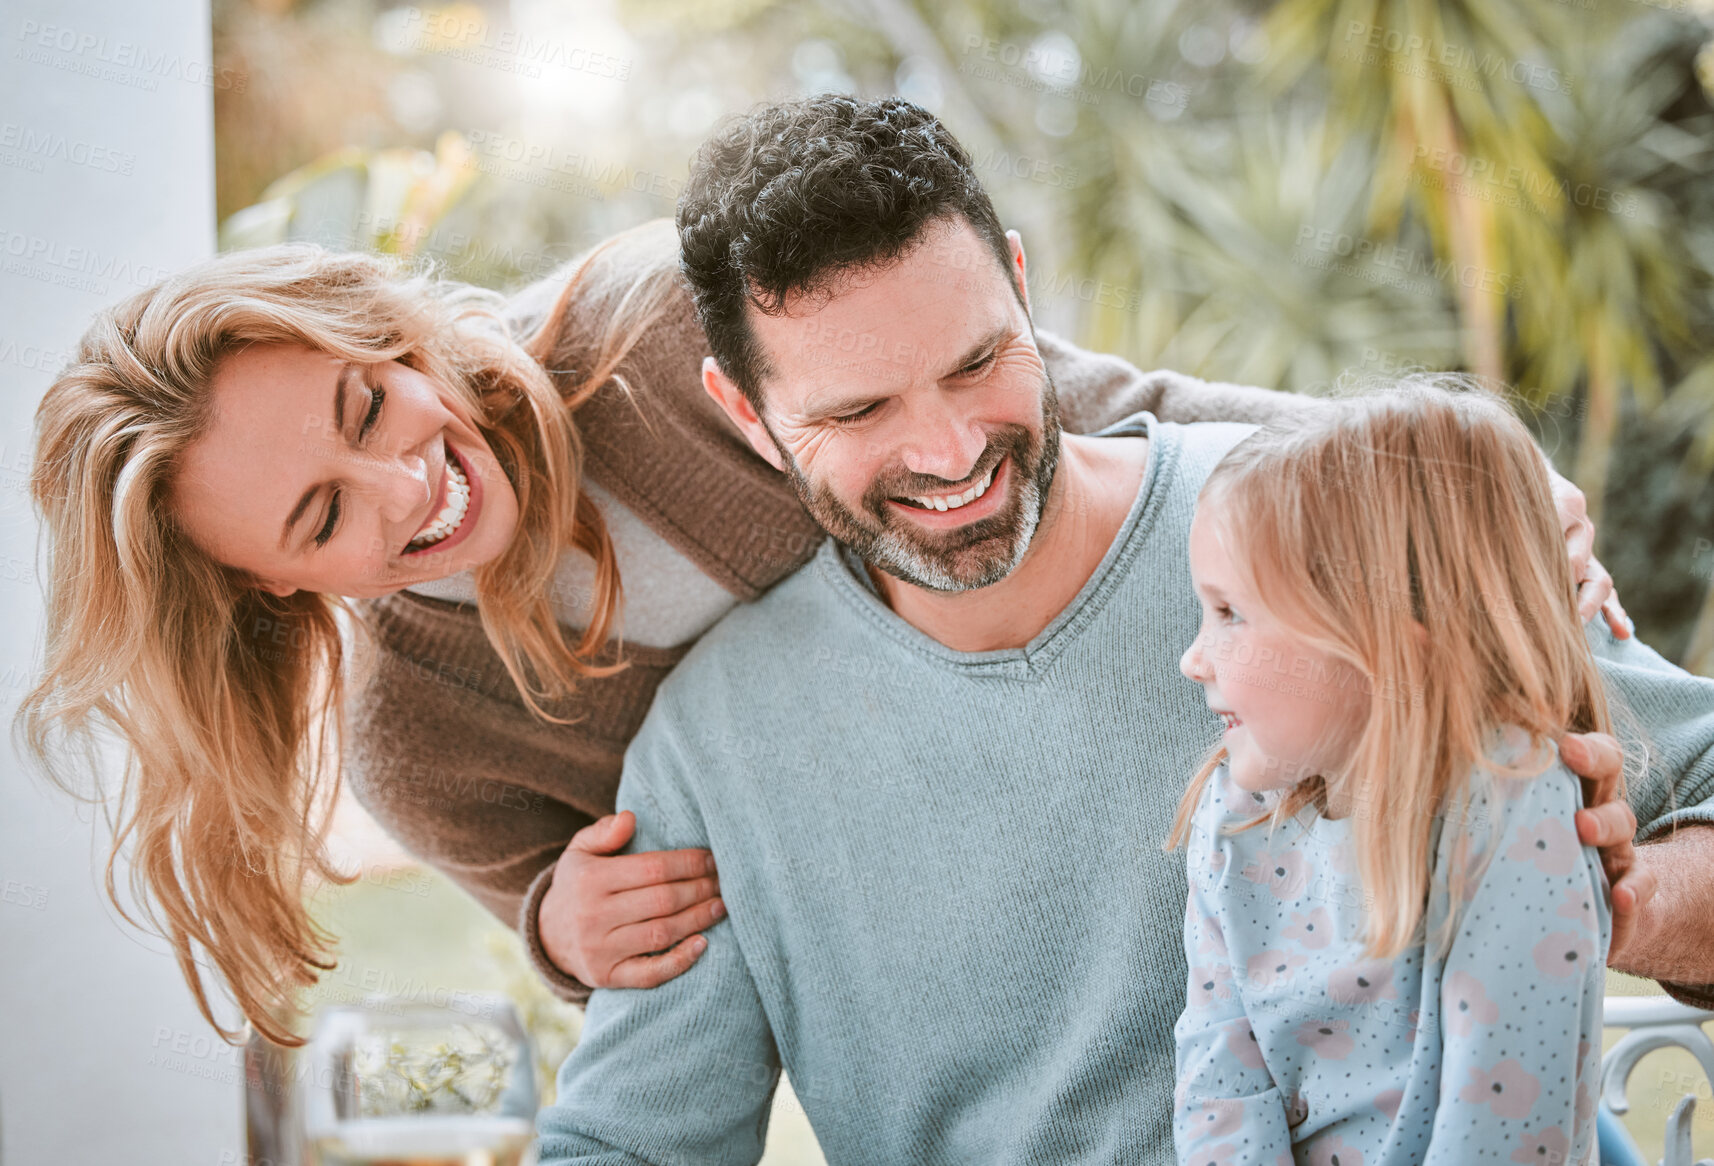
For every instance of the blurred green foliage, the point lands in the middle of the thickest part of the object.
(1271, 194)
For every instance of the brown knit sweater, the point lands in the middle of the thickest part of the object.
(440, 748)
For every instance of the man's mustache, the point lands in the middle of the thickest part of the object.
(905, 483)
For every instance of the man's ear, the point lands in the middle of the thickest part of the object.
(737, 406)
(1018, 272)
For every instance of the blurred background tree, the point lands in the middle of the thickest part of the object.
(1271, 194)
(1280, 194)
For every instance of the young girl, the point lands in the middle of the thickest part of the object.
(1396, 942)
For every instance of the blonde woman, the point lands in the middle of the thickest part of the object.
(1396, 941)
(279, 445)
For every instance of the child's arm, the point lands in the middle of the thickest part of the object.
(1226, 1105)
(1520, 1000)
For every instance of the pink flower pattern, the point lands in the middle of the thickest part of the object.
(1332, 1151)
(1241, 1043)
(1509, 1089)
(1584, 1113)
(1562, 954)
(1326, 1038)
(1272, 968)
(1362, 983)
(1464, 1003)
(1547, 1146)
(1285, 872)
(1312, 929)
(1217, 1118)
(1210, 984)
(1549, 844)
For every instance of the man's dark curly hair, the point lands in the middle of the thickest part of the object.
(786, 199)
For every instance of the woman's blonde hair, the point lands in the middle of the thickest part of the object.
(1411, 535)
(232, 747)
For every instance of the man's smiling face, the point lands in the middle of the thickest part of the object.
(913, 413)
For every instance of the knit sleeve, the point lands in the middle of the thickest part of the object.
(1097, 389)
(686, 1071)
(1664, 717)
(446, 758)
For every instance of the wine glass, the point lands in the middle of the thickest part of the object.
(401, 1083)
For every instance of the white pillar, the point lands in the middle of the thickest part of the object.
(106, 180)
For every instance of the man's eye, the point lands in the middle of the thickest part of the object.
(848, 418)
(971, 370)
(376, 396)
(326, 531)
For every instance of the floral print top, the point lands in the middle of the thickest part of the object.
(1294, 1047)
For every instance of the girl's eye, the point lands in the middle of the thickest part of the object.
(1227, 615)
(326, 531)
(376, 396)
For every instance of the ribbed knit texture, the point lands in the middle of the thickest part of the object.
(950, 917)
(437, 730)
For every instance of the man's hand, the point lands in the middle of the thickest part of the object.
(1608, 823)
(1594, 586)
(605, 913)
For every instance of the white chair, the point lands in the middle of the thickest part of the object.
(1651, 1023)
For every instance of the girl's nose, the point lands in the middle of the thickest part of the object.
(1192, 663)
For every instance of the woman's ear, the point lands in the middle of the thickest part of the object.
(274, 587)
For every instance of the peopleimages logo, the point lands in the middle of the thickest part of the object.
(97, 56)
(1382, 262)
(33, 147)
(474, 38)
(80, 268)
(1417, 55)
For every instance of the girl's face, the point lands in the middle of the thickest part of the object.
(1291, 710)
(318, 474)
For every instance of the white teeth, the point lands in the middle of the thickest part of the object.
(451, 515)
(956, 500)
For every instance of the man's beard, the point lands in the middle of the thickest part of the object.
(976, 555)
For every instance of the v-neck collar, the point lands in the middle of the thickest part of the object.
(846, 573)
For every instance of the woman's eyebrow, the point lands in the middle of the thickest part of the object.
(346, 372)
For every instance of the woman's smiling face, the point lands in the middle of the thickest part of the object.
(319, 474)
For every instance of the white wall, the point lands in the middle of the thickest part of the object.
(106, 179)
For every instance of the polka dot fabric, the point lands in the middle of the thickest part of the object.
(1295, 1048)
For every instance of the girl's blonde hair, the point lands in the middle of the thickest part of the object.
(1411, 535)
(232, 748)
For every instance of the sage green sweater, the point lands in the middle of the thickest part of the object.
(950, 919)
